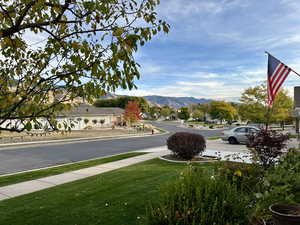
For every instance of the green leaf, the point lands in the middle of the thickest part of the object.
(28, 126)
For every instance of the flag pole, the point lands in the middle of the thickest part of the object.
(268, 115)
(283, 63)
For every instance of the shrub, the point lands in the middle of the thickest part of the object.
(267, 146)
(186, 145)
(86, 121)
(281, 184)
(244, 176)
(197, 198)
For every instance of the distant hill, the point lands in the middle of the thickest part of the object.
(175, 102)
(109, 95)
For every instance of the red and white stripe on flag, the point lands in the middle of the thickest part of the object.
(277, 73)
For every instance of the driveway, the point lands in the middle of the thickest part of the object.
(28, 158)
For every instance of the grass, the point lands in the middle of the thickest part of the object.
(118, 197)
(195, 122)
(204, 124)
(213, 138)
(26, 176)
(293, 136)
(162, 131)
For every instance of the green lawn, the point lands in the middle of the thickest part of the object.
(118, 197)
(195, 122)
(162, 131)
(213, 138)
(26, 176)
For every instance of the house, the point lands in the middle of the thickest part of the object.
(80, 117)
(145, 115)
(87, 116)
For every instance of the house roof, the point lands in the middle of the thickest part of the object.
(89, 110)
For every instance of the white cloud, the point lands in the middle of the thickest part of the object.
(219, 92)
(212, 84)
(206, 75)
(150, 68)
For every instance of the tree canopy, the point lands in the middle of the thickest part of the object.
(184, 113)
(122, 101)
(223, 111)
(132, 112)
(198, 114)
(84, 48)
(166, 111)
(154, 112)
(254, 106)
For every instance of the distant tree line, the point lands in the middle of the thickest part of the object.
(122, 101)
(252, 108)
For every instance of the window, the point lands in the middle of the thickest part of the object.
(252, 130)
(241, 130)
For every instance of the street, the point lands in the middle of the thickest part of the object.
(28, 158)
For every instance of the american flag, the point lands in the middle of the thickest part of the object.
(277, 73)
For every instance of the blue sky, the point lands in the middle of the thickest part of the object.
(215, 48)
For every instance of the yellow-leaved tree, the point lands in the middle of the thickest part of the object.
(84, 49)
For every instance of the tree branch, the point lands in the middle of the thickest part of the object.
(23, 14)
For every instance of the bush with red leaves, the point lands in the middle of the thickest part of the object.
(267, 146)
(186, 145)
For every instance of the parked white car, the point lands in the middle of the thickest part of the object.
(238, 135)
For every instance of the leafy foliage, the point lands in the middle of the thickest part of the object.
(184, 113)
(281, 184)
(205, 108)
(186, 145)
(198, 198)
(155, 112)
(244, 176)
(86, 48)
(132, 112)
(166, 111)
(255, 109)
(122, 102)
(223, 111)
(86, 121)
(197, 115)
(267, 146)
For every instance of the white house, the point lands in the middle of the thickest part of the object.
(81, 117)
(88, 117)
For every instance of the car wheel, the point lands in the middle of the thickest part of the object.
(232, 140)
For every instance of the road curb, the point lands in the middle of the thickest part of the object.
(79, 140)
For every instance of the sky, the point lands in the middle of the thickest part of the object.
(216, 48)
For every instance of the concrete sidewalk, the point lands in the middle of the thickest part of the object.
(27, 187)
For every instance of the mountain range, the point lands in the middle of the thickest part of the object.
(173, 102)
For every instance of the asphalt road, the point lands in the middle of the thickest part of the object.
(28, 158)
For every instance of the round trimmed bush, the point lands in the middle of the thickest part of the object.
(186, 145)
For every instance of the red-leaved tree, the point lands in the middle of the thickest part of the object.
(132, 112)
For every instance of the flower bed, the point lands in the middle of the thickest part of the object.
(197, 159)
